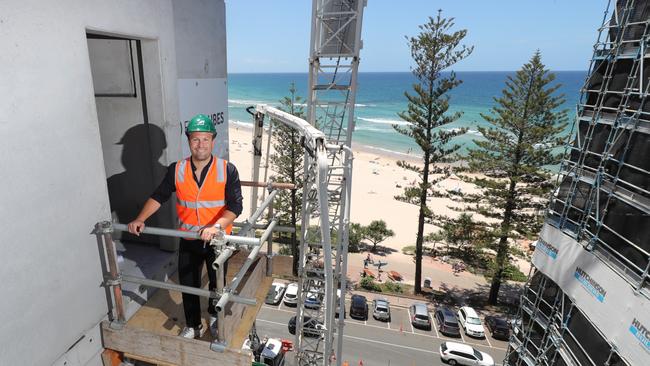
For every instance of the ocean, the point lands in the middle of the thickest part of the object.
(380, 96)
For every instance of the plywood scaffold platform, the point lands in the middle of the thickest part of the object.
(151, 334)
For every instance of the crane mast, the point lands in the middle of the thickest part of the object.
(333, 67)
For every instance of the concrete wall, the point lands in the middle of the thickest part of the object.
(200, 31)
(53, 187)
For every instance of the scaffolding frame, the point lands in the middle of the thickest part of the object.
(602, 186)
(224, 248)
(590, 181)
(553, 348)
(319, 274)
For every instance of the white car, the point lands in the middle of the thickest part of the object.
(291, 294)
(275, 293)
(462, 354)
(381, 309)
(471, 323)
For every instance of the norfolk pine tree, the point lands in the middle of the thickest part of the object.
(433, 50)
(287, 163)
(525, 128)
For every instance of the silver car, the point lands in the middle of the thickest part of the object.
(381, 309)
(420, 316)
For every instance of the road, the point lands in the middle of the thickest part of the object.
(379, 343)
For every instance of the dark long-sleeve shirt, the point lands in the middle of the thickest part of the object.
(234, 197)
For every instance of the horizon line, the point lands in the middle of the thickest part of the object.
(377, 72)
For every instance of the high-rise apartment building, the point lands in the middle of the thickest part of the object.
(587, 301)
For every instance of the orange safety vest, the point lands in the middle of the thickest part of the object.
(198, 207)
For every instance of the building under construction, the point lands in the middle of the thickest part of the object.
(587, 301)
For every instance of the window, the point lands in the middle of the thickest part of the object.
(593, 344)
(478, 355)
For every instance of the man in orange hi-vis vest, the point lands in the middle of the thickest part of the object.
(208, 199)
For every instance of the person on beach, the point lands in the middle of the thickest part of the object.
(208, 199)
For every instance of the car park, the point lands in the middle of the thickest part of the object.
(499, 327)
(447, 321)
(311, 327)
(381, 309)
(471, 323)
(291, 295)
(420, 316)
(462, 354)
(359, 307)
(274, 296)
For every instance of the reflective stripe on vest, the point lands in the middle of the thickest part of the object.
(188, 227)
(180, 176)
(196, 206)
(200, 204)
(221, 170)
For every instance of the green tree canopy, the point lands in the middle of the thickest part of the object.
(520, 143)
(377, 232)
(434, 49)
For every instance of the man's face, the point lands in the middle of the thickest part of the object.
(201, 144)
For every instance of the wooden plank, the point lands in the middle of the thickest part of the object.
(147, 360)
(250, 314)
(163, 313)
(151, 335)
(234, 313)
(174, 350)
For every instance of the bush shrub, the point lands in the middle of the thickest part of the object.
(369, 283)
(393, 287)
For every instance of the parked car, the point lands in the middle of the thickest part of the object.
(291, 294)
(516, 325)
(313, 299)
(447, 321)
(381, 309)
(420, 316)
(462, 354)
(359, 307)
(470, 321)
(274, 296)
(338, 297)
(499, 327)
(311, 326)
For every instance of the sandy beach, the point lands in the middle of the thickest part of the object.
(376, 180)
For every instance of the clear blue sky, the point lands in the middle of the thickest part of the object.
(273, 35)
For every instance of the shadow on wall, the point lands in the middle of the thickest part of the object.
(142, 147)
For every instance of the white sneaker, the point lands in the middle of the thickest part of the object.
(192, 333)
(213, 326)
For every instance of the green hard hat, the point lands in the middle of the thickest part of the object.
(200, 123)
